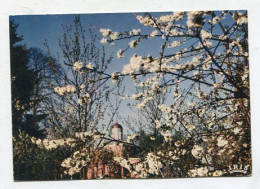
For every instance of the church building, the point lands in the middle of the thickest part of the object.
(102, 167)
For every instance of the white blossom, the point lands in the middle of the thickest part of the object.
(131, 137)
(192, 16)
(237, 130)
(205, 35)
(136, 31)
(65, 90)
(175, 44)
(217, 173)
(201, 172)
(89, 66)
(197, 151)
(133, 43)
(105, 32)
(153, 34)
(103, 40)
(120, 54)
(78, 65)
(242, 20)
(215, 20)
(221, 141)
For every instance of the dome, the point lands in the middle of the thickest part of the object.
(117, 131)
(117, 126)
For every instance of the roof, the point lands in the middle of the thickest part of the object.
(117, 126)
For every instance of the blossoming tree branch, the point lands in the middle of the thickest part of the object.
(205, 63)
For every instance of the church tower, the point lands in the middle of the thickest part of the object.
(117, 132)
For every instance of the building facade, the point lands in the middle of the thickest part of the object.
(105, 167)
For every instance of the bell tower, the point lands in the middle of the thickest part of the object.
(117, 132)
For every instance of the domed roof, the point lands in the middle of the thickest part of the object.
(117, 126)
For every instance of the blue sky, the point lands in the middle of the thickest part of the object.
(38, 28)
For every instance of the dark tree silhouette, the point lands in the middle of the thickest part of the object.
(23, 80)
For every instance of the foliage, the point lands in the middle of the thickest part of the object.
(34, 163)
(21, 77)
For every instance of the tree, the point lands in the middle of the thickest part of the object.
(25, 124)
(78, 100)
(44, 74)
(204, 61)
(23, 81)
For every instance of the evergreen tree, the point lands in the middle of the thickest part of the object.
(23, 81)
